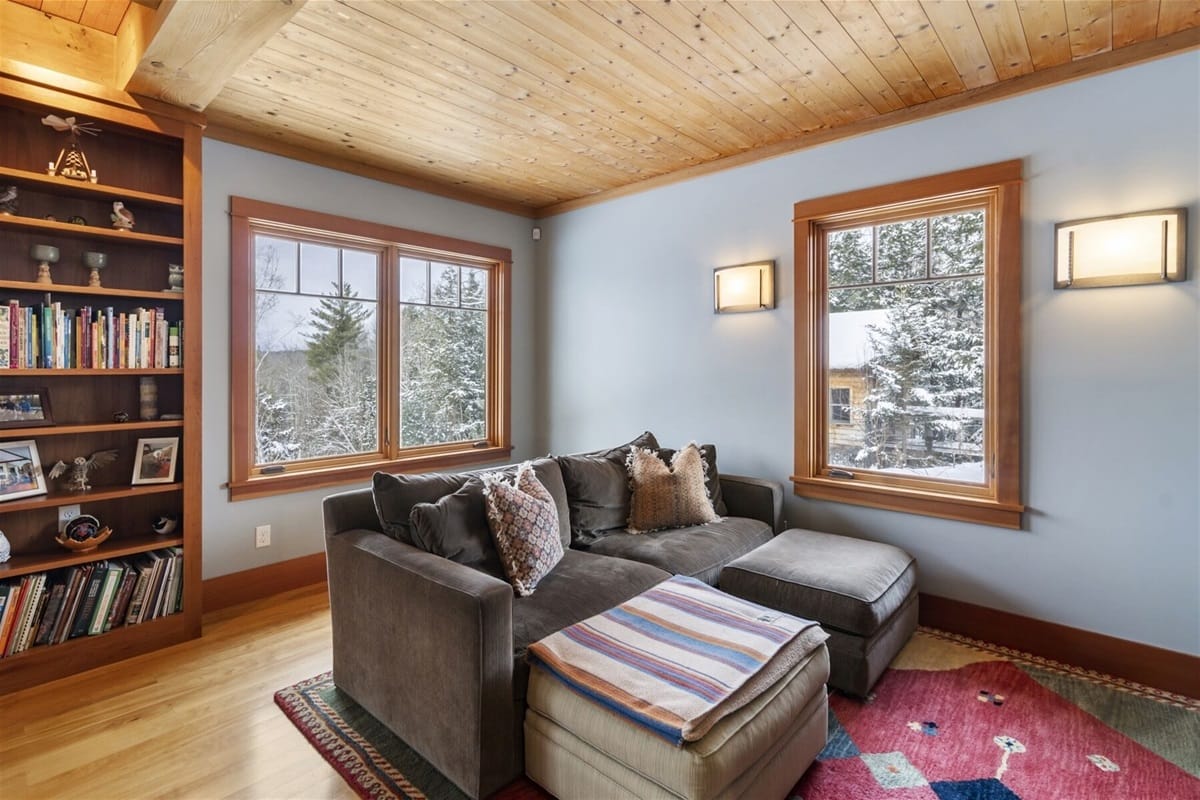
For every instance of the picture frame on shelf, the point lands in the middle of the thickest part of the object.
(25, 409)
(20, 470)
(154, 461)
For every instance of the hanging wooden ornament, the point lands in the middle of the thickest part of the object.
(71, 162)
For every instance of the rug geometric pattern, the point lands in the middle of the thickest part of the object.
(951, 719)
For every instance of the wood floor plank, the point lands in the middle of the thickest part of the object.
(197, 720)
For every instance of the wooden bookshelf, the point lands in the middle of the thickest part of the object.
(152, 165)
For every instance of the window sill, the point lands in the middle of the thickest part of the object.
(304, 480)
(983, 511)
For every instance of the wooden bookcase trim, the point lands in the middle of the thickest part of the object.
(115, 373)
(94, 495)
(75, 289)
(113, 548)
(80, 189)
(89, 231)
(99, 427)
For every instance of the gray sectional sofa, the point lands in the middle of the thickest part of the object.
(429, 637)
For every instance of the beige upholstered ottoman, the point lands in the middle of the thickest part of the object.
(577, 748)
(863, 593)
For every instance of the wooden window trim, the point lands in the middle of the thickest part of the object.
(245, 480)
(997, 502)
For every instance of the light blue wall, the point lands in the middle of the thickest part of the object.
(1112, 376)
(229, 170)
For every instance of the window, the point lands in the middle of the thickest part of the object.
(360, 347)
(839, 404)
(908, 302)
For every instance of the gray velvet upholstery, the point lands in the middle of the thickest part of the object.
(863, 593)
(597, 488)
(699, 551)
(434, 648)
(456, 527)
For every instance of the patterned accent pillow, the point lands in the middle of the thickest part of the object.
(523, 519)
(668, 497)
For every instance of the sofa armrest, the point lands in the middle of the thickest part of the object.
(425, 645)
(754, 498)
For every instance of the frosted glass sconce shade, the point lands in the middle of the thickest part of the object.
(1122, 250)
(744, 287)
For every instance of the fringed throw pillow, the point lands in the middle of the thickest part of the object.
(523, 519)
(668, 496)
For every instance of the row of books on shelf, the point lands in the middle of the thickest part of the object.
(52, 337)
(89, 599)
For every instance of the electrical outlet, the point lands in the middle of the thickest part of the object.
(65, 515)
(262, 536)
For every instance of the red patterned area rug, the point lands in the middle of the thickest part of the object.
(952, 719)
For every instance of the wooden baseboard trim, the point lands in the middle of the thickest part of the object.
(1142, 663)
(255, 584)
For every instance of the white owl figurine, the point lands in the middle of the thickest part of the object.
(122, 217)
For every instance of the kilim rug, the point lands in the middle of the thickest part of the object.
(952, 719)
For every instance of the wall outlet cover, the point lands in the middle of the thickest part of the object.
(65, 515)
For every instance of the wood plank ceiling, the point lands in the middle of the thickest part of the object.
(538, 106)
(100, 15)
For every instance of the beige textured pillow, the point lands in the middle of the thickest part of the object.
(667, 497)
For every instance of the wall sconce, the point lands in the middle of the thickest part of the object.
(1121, 250)
(744, 287)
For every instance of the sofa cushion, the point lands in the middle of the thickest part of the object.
(395, 495)
(665, 496)
(597, 487)
(456, 527)
(712, 478)
(699, 551)
(580, 586)
(524, 524)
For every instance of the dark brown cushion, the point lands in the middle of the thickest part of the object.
(597, 487)
(395, 495)
(456, 527)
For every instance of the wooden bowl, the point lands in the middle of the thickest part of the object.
(87, 545)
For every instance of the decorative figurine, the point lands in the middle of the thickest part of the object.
(77, 220)
(164, 524)
(122, 217)
(83, 534)
(174, 278)
(5, 548)
(95, 261)
(8, 200)
(71, 162)
(121, 416)
(80, 466)
(45, 255)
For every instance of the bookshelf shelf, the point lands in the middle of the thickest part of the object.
(152, 165)
(101, 291)
(84, 427)
(113, 548)
(65, 187)
(87, 231)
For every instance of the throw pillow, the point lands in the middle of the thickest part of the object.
(712, 478)
(456, 528)
(395, 495)
(523, 519)
(597, 487)
(668, 496)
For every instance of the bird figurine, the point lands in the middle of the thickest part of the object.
(8, 200)
(122, 217)
(80, 467)
(164, 524)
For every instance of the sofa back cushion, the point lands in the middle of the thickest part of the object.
(395, 495)
(456, 527)
(597, 487)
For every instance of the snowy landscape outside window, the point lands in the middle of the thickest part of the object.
(360, 347)
(908, 360)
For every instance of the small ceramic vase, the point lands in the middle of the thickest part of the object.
(5, 548)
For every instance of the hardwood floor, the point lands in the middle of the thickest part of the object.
(197, 720)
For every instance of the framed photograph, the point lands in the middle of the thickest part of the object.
(20, 470)
(155, 460)
(25, 409)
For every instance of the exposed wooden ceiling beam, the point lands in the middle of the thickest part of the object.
(194, 47)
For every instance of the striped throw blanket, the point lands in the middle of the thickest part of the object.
(679, 656)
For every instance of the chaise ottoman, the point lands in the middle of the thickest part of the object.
(577, 748)
(863, 593)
